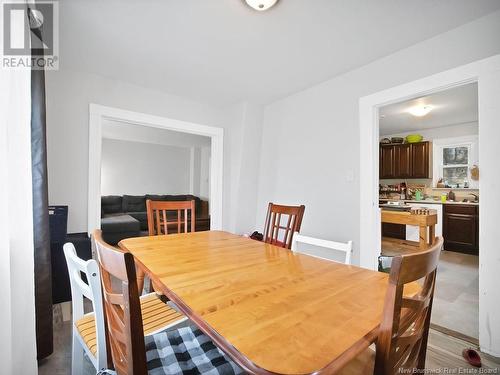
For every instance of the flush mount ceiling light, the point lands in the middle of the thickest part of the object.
(420, 110)
(261, 5)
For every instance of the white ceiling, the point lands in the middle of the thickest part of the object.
(458, 105)
(222, 52)
(146, 134)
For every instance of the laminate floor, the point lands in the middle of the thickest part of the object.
(59, 363)
(456, 298)
(444, 356)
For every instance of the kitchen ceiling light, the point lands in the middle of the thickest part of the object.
(420, 110)
(261, 5)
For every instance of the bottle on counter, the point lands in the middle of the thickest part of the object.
(402, 194)
(451, 195)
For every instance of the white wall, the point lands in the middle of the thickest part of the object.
(199, 179)
(489, 183)
(137, 168)
(69, 94)
(194, 170)
(137, 133)
(17, 295)
(243, 168)
(310, 143)
(204, 192)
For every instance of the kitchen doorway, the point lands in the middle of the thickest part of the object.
(429, 161)
(486, 73)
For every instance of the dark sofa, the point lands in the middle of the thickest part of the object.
(125, 216)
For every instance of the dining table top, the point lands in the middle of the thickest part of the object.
(270, 309)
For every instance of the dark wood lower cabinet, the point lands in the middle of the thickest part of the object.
(394, 230)
(461, 228)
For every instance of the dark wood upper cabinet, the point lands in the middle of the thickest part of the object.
(409, 160)
(461, 228)
(386, 164)
(420, 160)
(403, 161)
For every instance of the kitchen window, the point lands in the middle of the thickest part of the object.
(455, 166)
(454, 161)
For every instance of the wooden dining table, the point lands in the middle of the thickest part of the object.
(273, 311)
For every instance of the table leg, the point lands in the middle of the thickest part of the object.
(140, 279)
(432, 234)
(424, 240)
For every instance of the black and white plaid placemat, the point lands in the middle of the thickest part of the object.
(186, 350)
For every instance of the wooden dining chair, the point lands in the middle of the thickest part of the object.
(180, 350)
(157, 316)
(402, 340)
(343, 247)
(159, 220)
(281, 223)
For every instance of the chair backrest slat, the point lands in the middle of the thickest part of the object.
(158, 222)
(90, 289)
(84, 288)
(76, 266)
(122, 307)
(164, 215)
(273, 224)
(179, 221)
(345, 247)
(185, 221)
(288, 227)
(402, 339)
(157, 212)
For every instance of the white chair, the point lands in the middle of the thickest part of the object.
(89, 335)
(345, 247)
(88, 329)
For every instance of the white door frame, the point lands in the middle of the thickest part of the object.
(98, 113)
(481, 71)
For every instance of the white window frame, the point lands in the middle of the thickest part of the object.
(471, 142)
(442, 166)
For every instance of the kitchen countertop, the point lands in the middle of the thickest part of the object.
(434, 202)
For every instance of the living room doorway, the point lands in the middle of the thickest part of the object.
(140, 163)
(135, 156)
